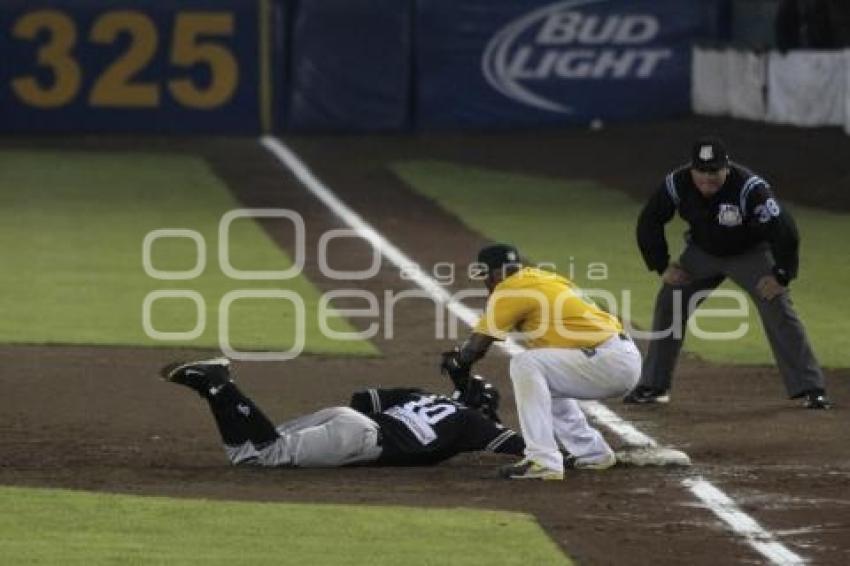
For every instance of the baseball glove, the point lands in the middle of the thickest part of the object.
(451, 366)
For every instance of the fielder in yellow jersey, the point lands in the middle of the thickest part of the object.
(575, 351)
(548, 310)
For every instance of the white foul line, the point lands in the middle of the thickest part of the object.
(745, 525)
(717, 501)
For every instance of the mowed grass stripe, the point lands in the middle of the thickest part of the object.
(73, 224)
(40, 526)
(577, 224)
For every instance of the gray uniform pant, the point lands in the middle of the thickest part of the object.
(331, 437)
(794, 357)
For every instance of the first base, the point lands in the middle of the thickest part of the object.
(652, 456)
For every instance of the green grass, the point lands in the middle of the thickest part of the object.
(40, 526)
(576, 223)
(72, 226)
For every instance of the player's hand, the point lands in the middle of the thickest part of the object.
(450, 365)
(769, 288)
(482, 395)
(491, 399)
(473, 395)
(676, 275)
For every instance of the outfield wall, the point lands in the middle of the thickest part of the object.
(131, 65)
(228, 66)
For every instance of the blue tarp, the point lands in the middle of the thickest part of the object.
(502, 63)
(351, 65)
(196, 66)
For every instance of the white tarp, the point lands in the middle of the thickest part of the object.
(847, 91)
(746, 85)
(708, 82)
(807, 88)
(728, 82)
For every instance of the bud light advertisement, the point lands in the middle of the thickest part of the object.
(502, 63)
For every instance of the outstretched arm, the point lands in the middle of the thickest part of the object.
(373, 401)
(458, 362)
(482, 434)
(474, 348)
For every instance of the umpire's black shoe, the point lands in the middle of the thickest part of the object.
(204, 376)
(816, 399)
(643, 395)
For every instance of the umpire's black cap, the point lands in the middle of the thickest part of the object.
(494, 258)
(709, 154)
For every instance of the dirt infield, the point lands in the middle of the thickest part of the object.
(96, 418)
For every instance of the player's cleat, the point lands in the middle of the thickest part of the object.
(573, 463)
(527, 469)
(643, 395)
(816, 400)
(204, 376)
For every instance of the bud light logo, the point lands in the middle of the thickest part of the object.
(569, 41)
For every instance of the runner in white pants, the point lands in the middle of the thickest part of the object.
(575, 351)
(399, 426)
(331, 437)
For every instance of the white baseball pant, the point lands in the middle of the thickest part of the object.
(547, 382)
(331, 437)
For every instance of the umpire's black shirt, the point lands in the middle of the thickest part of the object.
(741, 215)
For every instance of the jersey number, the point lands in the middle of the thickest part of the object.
(430, 409)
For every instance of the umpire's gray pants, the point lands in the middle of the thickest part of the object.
(331, 437)
(794, 357)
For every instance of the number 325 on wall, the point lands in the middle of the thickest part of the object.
(193, 43)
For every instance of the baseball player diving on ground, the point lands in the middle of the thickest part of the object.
(383, 427)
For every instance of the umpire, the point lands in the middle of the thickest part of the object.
(737, 229)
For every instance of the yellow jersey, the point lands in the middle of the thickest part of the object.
(548, 310)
